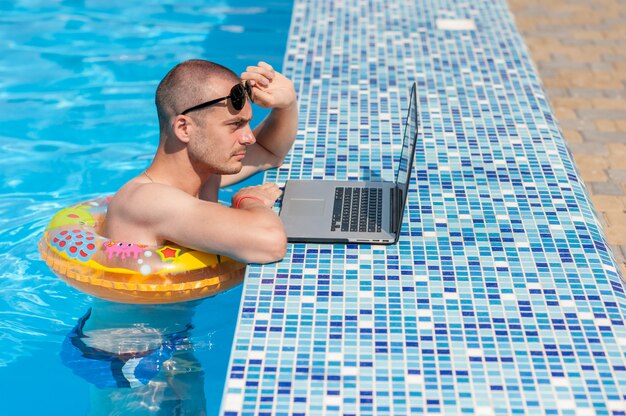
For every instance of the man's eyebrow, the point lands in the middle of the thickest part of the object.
(238, 120)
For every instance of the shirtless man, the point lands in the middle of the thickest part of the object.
(206, 143)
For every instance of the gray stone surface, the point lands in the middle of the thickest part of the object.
(601, 114)
(604, 137)
(617, 175)
(606, 188)
(586, 148)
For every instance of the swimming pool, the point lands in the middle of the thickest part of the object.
(76, 94)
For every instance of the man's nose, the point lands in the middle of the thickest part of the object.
(247, 137)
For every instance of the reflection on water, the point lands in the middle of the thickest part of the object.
(138, 359)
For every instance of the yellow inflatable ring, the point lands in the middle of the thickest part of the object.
(74, 249)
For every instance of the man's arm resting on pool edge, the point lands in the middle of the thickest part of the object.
(252, 234)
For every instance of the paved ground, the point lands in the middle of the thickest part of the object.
(579, 47)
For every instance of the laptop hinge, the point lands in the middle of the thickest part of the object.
(394, 207)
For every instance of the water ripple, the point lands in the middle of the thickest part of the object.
(33, 301)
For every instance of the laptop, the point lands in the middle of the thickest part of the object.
(361, 212)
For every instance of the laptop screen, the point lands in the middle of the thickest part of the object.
(407, 154)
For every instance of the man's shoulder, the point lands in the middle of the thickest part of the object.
(136, 199)
(138, 207)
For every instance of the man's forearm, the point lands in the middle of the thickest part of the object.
(277, 132)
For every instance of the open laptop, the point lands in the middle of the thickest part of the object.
(362, 212)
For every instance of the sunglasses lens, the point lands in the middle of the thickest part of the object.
(238, 97)
(248, 90)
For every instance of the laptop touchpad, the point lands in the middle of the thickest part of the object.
(307, 207)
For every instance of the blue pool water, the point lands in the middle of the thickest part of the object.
(77, 81)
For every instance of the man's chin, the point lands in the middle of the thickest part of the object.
(232, 170)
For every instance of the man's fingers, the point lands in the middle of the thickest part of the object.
(271, 190)
(262, 97)
(266, 72)
(255, 78)
(266, 66)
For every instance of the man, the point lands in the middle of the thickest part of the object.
(205, 143)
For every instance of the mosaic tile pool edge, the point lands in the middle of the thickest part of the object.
(501, 297)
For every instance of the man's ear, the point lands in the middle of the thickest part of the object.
(181, 126)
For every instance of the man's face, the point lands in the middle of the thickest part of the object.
(221, 135)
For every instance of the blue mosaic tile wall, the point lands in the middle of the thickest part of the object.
(501, 297)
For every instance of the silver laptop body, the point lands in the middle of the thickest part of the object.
(362, 212)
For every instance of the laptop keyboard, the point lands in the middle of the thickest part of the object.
(357, 209)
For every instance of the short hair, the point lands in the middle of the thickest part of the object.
(186, 85)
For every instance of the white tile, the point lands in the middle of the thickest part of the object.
(566, 404)
(414, 379)
(616, 405)
(233, 402)
(256, 355)
(236, 383)
(332, 400)
(484, 411)
(475, 352)
(560, 382)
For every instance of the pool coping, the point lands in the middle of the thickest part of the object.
(566, 394)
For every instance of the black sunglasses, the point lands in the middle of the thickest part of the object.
(238, 95)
